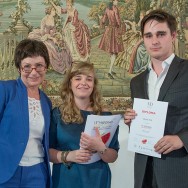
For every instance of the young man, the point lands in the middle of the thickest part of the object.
(166, 79)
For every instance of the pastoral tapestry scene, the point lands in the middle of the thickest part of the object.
(83, 30)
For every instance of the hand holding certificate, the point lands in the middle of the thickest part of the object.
(106, 125)
(148, 126)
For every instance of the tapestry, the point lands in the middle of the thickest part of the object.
(79, 31)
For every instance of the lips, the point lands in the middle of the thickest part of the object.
(155, 49)
(83, 87)
(34, 79)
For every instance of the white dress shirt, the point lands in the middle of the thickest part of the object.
(155, 82)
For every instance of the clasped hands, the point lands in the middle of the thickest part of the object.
(89, 145)
(166, 144)
(92, 143)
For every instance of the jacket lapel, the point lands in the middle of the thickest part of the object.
(171, 75)
(142, 87)
(146, 84)
(23, 105)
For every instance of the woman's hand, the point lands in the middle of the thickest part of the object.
(79, 156)
(92, 143)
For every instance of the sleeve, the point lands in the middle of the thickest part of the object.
(183, 135)
(75, 20)
(114, 144)
(117, 16)
(53, 129)
(104, 18)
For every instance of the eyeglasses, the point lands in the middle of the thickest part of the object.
(29, 68)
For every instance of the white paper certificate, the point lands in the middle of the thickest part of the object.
(147, 127)
(107, 126)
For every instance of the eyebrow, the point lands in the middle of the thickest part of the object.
(161, 32)
(79, 75)
(158, 32)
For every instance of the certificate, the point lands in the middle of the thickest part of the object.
(107, 126)
(148, 126)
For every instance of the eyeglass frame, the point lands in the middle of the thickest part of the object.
(31, 68)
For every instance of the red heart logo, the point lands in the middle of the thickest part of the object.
(105, 137)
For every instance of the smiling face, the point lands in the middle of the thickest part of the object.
(158, 40)
(34, 78)
(82, 85)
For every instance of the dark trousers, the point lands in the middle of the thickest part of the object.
(28, 177)
(149, 177)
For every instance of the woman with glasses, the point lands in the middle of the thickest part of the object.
(24, 121)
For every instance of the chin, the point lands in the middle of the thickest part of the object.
(84, 96)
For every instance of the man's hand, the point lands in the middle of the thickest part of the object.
(129, 115)
(168, 143)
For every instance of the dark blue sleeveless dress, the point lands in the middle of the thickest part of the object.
(65, 137)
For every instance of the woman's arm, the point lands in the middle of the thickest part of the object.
(76, 156)
(95, 144)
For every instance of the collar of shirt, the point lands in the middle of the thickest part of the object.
(154, 81)
(166, 62)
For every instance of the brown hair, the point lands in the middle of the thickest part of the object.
(69, 111)
(30, 48)
(160, 16)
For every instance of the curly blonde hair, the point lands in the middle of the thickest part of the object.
(69, 111)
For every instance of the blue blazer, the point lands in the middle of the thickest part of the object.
(14, 126)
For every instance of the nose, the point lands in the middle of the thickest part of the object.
(34, 68)
(83, 82)
(155, 40)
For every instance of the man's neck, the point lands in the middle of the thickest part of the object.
(157, 66)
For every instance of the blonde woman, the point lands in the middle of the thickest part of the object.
(80, 97)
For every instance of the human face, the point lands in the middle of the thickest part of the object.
(158, 40)
(34, 78)
(82, 85)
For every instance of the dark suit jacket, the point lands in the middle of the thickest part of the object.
(14, 126)
(172, 169)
